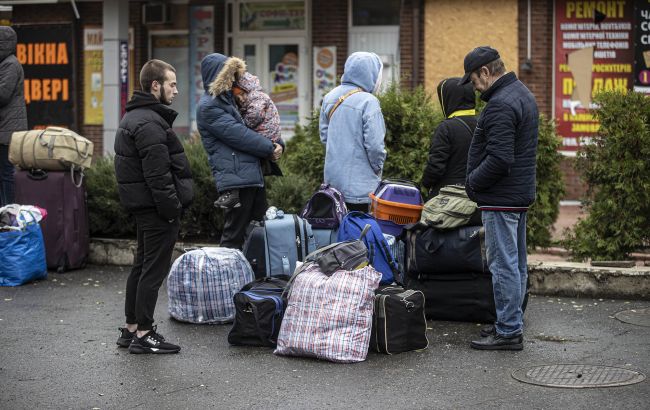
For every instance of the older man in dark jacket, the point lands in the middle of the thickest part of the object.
(501, 180)
(155, 185)
(234, 151)
(13, 114)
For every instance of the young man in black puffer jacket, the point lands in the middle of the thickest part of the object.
(155, 185)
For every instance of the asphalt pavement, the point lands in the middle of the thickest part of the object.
(58, 351)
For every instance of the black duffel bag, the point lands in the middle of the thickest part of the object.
(259, 308)
(430, 251)
(398, 321)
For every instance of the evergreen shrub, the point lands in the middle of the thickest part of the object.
(616, 167)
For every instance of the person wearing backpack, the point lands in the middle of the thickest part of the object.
(447, 162)
(352, 129)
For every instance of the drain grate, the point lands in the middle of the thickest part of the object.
(640, 317)
(577, 376)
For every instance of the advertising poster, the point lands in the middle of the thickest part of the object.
(642, 46)
(605, 27)
(283, 67)
(46, 54)
(324, 72)
(201, 44)
(93, 84)
(285, 15)
(93, 66)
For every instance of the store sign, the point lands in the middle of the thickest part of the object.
(45, 52)
(93, 66)
(201, 44)
(286, 15)
(324, 78)
(590, 57)
(642, 46)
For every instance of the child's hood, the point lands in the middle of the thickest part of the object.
(248, 82)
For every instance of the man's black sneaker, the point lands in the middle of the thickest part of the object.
(125, 337)
(152, 342)
(229, 199)
(488, 330)
(498, 342)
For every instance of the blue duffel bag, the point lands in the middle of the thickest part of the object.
(22, 256)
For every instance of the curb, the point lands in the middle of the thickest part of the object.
(546, 278)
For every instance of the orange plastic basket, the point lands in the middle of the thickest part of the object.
(399, 213)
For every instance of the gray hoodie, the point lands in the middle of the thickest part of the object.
(13, 114)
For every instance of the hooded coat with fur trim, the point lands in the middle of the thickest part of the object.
(234, 150)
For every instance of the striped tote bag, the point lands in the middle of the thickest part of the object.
(202, 282)
(329, 317)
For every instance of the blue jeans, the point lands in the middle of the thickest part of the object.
(6, 177)
(505, 241)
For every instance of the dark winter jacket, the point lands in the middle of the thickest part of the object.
(234, 151)
(152, 170)
(502, 158)
(447, 163)
(13, 114)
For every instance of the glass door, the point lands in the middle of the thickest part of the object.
(281, 65)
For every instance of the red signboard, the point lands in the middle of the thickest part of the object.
(607, 27)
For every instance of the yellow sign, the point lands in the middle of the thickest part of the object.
(93, 71)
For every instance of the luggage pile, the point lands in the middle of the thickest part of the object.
(52, 162)
(333, 285)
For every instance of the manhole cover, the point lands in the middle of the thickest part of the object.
(577, 376)
(640, 317)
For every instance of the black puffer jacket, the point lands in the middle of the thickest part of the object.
(13, 114)
(447, 161)
(150, 164)
(502, 158)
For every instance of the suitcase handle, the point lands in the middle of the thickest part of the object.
(37, 175)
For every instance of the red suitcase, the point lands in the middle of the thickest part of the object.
(65, 230)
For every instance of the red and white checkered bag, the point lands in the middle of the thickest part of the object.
(329, 317)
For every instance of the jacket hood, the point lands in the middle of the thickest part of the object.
(221, 78)
(7, 42)
(248, 82)
(144, 99)
(454, 97)
(363, 69)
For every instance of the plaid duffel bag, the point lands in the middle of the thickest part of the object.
(329, 317)
(202, 282)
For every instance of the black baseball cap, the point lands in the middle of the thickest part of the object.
(477, 58)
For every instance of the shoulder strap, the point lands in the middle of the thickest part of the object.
(466, 126)
(340, 101)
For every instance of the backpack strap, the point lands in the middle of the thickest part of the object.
(340, 101)
(471, 133)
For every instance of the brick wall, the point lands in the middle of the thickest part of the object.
(412, 19)
(330, 28)
(540, 79)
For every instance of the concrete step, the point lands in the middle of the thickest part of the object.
(559, 278)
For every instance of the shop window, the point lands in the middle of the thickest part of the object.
(375, 12)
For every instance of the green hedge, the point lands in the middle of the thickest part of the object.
(616, 167)
(411, 118)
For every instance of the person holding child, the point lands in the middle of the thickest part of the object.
(236, 152)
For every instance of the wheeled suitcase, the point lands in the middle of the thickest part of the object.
(430, 251)
(65, 230)
(398, 322)
(272, 247)
(463, 297)
(324, 236)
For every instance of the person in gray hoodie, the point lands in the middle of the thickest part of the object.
(13, 112)
(352, 128)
